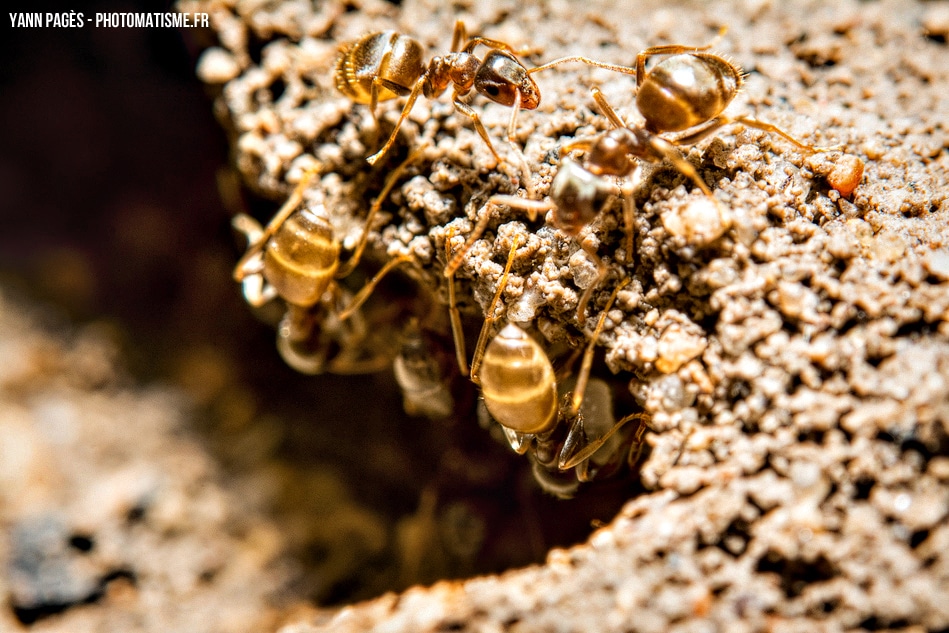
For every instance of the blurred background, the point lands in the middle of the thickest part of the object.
(108, 161)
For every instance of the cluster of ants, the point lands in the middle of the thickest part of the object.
(296, 257)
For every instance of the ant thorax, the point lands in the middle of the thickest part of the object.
(611, 154)
(579, 196)
(456, 69)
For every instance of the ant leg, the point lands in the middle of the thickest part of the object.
(531, 206)
(343, 365)
(490, 318)
(478, 40)
(476, 233)
(774, 129)
(718, 122)
(253, 285)
(363, 294)
(261, 237)
(454, 315)
(250, 227)
(379, 81)
(663, 149)
(356, 356)
(469, 112)
(636, 446)
(512, 124)
(296, 342)
(639, 70)
(584, 375)
(606, 108)
(389, 85)
(704, 130)
(257, 292)
(629, 212)
(458, 35)
(577, 449)
(670, 49)
(601, 271)
(406, 109)
(511, 132)
(387, 187)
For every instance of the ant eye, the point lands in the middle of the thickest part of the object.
(492, 90)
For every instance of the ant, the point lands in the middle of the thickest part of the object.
(520, 390)
(686, 92)
(421, 375)
(297, 258)
(385, 65)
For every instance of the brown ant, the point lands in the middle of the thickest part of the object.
(520, 391)
(297, 258)
(388, 64)
(688, 90)
(385, 65)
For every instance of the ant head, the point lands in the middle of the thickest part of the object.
(501, 77)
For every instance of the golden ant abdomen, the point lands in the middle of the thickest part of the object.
(392, 60)
(685, 90)
(302, 258)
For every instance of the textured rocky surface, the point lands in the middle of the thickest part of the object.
(790, 347)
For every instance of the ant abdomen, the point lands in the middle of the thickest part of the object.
(301, 258)
(390, 60)
(517, 382)
(683, 91)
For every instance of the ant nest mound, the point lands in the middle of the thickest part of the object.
(784, 336)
